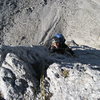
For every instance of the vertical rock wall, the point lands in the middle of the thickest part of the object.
(29, 22)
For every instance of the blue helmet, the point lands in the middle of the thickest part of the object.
(60, 37)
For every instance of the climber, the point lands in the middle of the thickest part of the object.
(57, 45)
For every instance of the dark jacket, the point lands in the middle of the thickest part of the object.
(63, 49)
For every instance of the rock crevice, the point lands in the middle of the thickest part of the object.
(32, 73)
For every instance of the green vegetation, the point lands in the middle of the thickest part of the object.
(64, 73)
(42, 88)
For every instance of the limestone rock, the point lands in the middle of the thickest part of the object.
(20, 72)
(32, 73)
(16, 79)
(30, 22)
(79, 85)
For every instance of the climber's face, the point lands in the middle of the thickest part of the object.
(56, 44)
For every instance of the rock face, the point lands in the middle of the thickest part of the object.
(79, 84)
(14, 81)
(31, 72)
(23, 74)
(25, 22)
(20, 72)
(75, 78)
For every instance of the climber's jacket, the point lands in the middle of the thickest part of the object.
(57, 45)
(63, 49)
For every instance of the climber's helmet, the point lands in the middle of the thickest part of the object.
(58, 40)
(59, 37)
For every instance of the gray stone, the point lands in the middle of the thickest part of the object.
(78, 85)
(32, 73)
(37, 20)
(19, 78)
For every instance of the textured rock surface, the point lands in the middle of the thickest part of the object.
(66, 78)
(75, 78)
(16, 79)
(19, 78)
(80, 84)
(25, 22)
(28, 22)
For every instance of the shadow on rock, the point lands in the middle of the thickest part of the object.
(84, 55)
